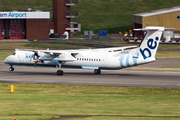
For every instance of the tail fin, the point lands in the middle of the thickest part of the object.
(150, 43)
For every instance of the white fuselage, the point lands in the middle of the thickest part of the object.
(86, 59)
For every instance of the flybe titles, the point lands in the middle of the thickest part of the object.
(13, 15)
(152, 45)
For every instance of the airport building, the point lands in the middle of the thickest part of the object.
(36, 24)
(168, 18)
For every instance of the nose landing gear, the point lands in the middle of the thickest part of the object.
(11, 68)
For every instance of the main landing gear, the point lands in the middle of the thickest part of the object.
(97, 71)
(59, 72)
(11, 68)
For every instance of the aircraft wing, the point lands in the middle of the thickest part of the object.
(57, 55)
(112, 49)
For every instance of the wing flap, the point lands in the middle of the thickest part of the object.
(55, 55)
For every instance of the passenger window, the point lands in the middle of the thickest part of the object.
(77, 58)
(82, 58)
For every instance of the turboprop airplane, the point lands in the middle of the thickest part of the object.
(114, 58)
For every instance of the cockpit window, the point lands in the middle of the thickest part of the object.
(14, 53)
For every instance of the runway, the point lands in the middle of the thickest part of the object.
(130, 78)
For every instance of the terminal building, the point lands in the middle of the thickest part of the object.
(36, 24)
(168, 18)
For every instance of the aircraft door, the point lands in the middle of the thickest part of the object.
(20, 56)
(103, 61)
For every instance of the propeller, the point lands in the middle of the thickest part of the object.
(36, 58)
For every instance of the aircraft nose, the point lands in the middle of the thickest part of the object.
(6, 60)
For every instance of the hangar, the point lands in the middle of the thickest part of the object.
(25, 24)
(168, 18)
(36, 24)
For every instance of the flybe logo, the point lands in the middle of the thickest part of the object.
(151, 44)
(13, 15)
(30, 57)
(127, 59)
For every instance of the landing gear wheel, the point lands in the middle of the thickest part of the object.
(11, 69)
(97, 71)
(60, 72)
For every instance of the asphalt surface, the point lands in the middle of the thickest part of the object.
(31, 75)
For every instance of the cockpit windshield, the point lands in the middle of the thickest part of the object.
(14, 53)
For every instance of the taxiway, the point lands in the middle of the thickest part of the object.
(130, 78)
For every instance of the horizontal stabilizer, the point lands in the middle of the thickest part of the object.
(150, 29)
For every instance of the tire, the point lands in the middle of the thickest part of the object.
(97, 71)
(11, 69)
(60, 72)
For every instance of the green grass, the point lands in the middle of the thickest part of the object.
(126, 118)
(12, 46)
(26, 117)
(52, 46)
(111, 102)
(169, 46)
(168, 54)
(115, 15)
(4, 54)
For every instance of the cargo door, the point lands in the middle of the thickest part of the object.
(103, 61)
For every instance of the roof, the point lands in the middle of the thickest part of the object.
(158, 12)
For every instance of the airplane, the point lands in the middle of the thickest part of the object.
(114, 58)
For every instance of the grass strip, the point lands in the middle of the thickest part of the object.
(4, 54)
(88, 100)
(127, 118)
(26, 117)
